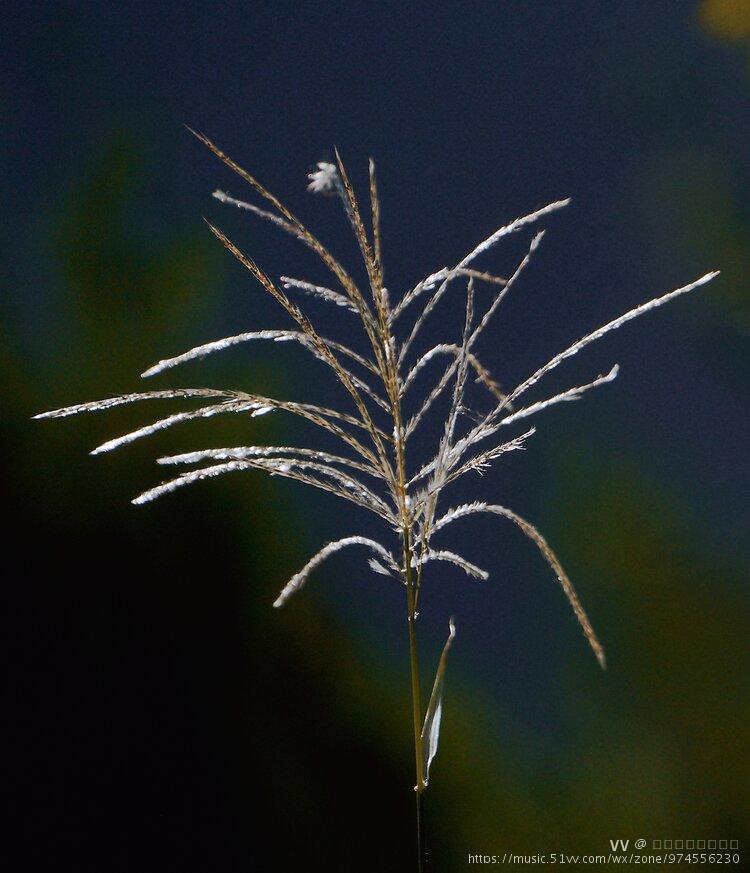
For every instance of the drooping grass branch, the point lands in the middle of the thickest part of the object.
(384, 410)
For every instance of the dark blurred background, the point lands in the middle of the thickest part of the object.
(165, 717)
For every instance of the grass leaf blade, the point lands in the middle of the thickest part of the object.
(434, 714)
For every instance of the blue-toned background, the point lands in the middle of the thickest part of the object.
(169, 718)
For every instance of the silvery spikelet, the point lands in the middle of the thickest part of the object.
(384, 410)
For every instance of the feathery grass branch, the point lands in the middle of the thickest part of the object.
(403, 494)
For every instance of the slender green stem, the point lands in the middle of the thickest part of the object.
(415, 699)
(421, 837)
(389, 372)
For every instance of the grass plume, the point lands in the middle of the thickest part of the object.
(374, 468)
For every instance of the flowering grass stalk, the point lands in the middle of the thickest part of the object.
(371, 468)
